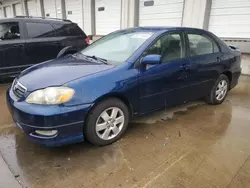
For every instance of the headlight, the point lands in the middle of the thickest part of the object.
(51, 96)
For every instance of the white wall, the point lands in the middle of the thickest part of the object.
(1, 13)
(88, 17)
(59, 9)
(130, 11)
(195, 13)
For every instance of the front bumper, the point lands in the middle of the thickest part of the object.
(68, 121)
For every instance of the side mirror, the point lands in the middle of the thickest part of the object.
(66, 51)
(151, 59)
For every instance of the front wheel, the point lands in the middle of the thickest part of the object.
(106, 122)
(219, 91)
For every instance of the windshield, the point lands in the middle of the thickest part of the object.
(117, 47)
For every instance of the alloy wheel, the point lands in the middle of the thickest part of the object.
(221, 90)
(110, 123)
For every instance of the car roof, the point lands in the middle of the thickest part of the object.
(164, 28)
(36, 19)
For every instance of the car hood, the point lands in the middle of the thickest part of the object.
(58, 72)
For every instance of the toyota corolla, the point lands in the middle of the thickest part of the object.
(94, 93)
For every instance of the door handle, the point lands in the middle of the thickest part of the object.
(218, 59)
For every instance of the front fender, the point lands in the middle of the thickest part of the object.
(122, 80)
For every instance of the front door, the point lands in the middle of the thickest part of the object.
(165, 84)
(41, 44)
(12, 53)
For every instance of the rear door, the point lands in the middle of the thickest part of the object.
(70, 35)
(206, 62)
(12, 53)
(41, 43)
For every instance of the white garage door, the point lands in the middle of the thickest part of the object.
(32, 8)
(230, 18)
(18, 9)
(108, 16)
(74, 11)
(7, 12)
(50, 8)
(161, 12)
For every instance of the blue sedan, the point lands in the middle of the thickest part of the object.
(94, 93)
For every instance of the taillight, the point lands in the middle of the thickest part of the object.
(87, 40)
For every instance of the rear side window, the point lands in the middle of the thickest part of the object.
(9, 31)
(216, 48)
(40, 30)
(199, 45)
(68, 30)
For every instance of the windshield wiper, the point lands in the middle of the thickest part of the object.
(105, 61)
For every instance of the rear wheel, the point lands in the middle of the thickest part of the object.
(219, 91)
(106, 122)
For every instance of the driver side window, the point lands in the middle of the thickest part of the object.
(169, 46)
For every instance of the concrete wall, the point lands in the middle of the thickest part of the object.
(130, 12)
(59, 10)
(89, 17)
(195, 13)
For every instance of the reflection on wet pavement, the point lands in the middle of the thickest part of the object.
(195, 145)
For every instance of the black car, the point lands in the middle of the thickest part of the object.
(25, 41)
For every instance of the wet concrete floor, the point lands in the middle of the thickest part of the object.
(191, 146)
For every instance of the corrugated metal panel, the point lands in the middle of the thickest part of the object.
(161, 12)
(8, 12)
(108, 16)
(74, 11)
(50, 8)
(18, 9)
(230, 18)
(32, 8)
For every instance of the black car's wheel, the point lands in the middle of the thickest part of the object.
(106, 122)
(219, 91)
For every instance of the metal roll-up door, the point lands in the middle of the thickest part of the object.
(108, 16)
(8, 12)
(18, 9)
(50, 8)
(230, 18)
(32, 8)
(74, 11)
(161, 12)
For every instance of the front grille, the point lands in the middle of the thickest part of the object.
(18, 89)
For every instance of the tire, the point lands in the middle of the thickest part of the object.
(100, 129)
(213, 97)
